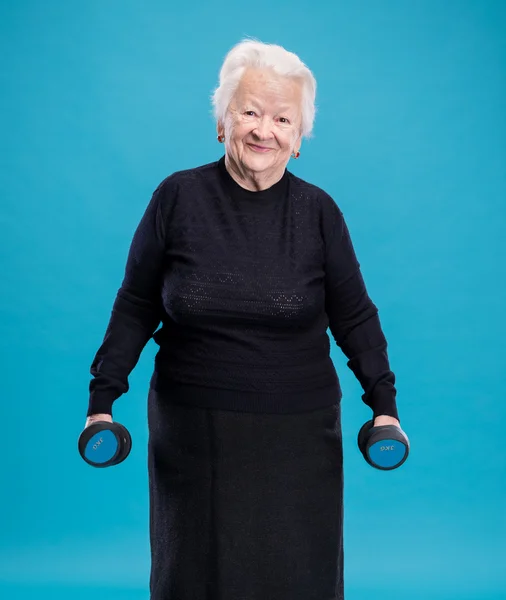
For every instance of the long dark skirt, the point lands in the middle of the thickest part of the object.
(245, 506)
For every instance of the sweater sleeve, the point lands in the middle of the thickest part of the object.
(136, 312)
(353, 318)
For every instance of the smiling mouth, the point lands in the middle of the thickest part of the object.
(257, 148)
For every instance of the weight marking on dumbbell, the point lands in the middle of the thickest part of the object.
(383, 448)
(97, 444)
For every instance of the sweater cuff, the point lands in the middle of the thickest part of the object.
(100, 404)
(385, 406)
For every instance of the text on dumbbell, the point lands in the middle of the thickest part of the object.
(97, 444)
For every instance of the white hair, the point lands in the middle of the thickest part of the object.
(255, 54)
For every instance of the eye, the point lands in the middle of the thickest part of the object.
(250, 113)
(284, 120)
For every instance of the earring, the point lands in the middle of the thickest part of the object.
(221, 139)
(296, 154)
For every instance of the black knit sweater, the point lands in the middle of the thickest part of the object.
(244, 285)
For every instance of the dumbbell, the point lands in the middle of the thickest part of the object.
(384, 447)
(104, 444)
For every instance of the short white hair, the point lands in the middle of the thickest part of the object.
(256, 54)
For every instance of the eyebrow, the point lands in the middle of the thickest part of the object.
(254, 102)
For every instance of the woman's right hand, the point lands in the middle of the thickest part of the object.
(98, 417)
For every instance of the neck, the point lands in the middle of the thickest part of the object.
(252, 180)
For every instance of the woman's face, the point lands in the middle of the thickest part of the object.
(263, 122)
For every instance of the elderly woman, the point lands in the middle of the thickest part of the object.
(246, 266)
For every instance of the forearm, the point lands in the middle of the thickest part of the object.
(354, 320)
(356, 328)
(135, 315)
(366, 348)
(131, 325)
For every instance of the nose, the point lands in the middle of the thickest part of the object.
(263, 130)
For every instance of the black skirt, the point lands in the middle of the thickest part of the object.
(245, 506)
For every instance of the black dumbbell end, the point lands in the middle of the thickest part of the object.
(385, 447)
(103, 444)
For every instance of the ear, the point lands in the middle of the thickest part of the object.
(220, 130)
(297, 144)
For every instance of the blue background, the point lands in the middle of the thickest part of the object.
(99, 101)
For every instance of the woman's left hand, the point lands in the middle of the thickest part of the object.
(386, 420)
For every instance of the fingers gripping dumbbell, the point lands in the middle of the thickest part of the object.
(385, 447)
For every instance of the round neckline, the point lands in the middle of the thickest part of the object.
(261, 196)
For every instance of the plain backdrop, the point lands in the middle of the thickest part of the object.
(99, 101)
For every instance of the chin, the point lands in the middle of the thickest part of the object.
(258, 162)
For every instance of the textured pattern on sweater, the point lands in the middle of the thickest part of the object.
(245, 285)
